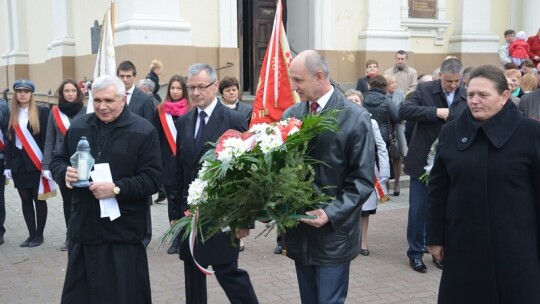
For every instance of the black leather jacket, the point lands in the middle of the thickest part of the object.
(348, 176)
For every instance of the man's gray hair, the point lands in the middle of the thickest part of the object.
(452, 66)
(147, 84)
(196, 68)
(103, 82)
(316, 61)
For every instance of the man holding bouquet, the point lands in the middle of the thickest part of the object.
(323, 248)
(206, 123)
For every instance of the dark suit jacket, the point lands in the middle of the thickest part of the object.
(345, 173)
(218, 249)
(142, 105)
(422, 107)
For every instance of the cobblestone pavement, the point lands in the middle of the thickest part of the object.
(36, 275)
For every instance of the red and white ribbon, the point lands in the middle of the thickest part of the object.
(192, 240)
(47, 188)
(169, 129)
(383, 197)
(61, 119)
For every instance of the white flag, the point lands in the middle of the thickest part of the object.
(106, 59)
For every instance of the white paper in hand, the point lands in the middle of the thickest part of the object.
(108, 206)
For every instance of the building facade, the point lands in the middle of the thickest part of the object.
(49, 40)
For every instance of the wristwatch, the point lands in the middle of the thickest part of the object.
(116, 190)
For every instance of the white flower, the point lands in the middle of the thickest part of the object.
(270, 142)
(196, 193)
(259, 128)
(233, 147)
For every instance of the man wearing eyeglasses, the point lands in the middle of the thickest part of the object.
(206, 123)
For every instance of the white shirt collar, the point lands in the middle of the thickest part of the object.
(323, 100)
(209, 109)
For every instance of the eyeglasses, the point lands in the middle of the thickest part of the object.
(201, 88)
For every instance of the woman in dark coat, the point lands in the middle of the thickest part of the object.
(483, 204)
(70, 106)
(27, 116)
(372, 69)
(176, 104)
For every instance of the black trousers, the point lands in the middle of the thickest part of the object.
(234, 281)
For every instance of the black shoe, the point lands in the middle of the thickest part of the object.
(64, 246)
(241, 248)
(1, 240)
(417, 265)
(36, 241)
(278, 250)
(175, 247)
(25, 243)
(146, 241)
(364, 252)
(161, 196)
(425, 250)
(438, 264)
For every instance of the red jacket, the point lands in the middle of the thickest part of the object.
(519, 49)
(534, 45)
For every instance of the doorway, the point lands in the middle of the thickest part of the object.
(256, 18)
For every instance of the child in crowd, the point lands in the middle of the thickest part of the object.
(519, 49)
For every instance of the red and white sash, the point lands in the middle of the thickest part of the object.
(47, 188)
(2, 144)
(169, 129)
(61, 119)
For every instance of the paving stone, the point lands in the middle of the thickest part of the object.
(36, 275)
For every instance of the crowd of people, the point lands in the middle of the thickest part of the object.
(486, 163)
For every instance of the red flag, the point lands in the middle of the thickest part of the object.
(274, 93)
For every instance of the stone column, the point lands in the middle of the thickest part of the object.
(381, 28)
(63, 43)
(228, 24)
(16, 44)
(324, 24)
(472, 32)
(529, 18)
(135, 23)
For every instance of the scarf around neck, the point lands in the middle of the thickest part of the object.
(176, 108)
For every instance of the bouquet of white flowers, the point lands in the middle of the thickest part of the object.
(263, 174)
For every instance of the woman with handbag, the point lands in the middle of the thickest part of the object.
(398, 143)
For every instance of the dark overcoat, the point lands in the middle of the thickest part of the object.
(421, 108)
(218, 249)
(346, 173)
(142, 104)
(483, 207)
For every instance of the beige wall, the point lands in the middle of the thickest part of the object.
(176, 60)
(204, 19)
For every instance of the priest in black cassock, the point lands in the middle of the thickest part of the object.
(107, 260)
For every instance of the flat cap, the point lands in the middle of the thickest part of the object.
(23, 84)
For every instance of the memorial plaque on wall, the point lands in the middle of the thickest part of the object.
(422, 9)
